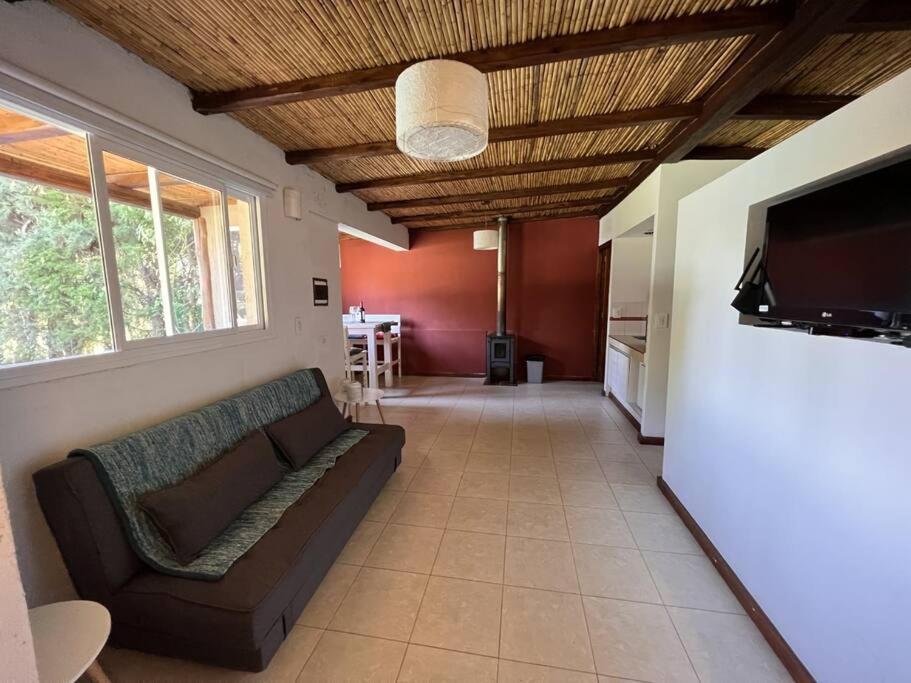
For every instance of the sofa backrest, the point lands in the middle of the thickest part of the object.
(87, 526)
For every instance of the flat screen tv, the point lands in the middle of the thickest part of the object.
(841, 256)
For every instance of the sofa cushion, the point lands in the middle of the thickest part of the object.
(191, 513)
(301, 435)
(239, 609)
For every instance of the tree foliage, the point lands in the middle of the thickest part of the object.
(53, 300)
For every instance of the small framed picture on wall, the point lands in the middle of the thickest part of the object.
(320, 292)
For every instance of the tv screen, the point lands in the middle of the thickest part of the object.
(842, 255)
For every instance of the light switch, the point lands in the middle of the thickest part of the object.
(298, 326)
(663, 321)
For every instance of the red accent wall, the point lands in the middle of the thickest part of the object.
(446, 293)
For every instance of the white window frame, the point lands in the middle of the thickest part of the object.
(123, 352)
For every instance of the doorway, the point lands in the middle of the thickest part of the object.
(602, 279)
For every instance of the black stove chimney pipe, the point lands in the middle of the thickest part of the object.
(501, 274)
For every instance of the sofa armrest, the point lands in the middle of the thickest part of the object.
(88, 530)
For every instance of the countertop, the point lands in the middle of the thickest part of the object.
(630, 341)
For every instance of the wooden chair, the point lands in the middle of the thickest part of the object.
(355, 359)
(391, 341)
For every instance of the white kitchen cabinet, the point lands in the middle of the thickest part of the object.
(618, 373)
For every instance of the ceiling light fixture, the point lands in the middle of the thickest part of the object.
(441, 111)
(485, 240)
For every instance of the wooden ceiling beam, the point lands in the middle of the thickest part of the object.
(525, 131)
(67, 180)
(487, 224)
(633, 156)
(792, 107)
(880, 15)
(42, 132)
(710, 152)
(595, 186)
(768, 55)
(764, 107)
(501, 211)
(663, 33)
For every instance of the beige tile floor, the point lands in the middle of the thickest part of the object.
(522, 539)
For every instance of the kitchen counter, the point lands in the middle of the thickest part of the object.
(630, 342)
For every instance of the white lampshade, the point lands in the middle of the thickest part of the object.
(441, 111)
(485, 240)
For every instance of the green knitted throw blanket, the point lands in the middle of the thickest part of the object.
(168, 453)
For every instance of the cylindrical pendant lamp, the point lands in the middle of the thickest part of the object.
(441, 111)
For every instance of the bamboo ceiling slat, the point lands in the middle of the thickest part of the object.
(759, 134)
(502, 153)
(226, 44)
(511, 182)
(630, 80)
(849, 65)
(217, 45)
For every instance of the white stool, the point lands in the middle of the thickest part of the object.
(368, 395)
(68, 638)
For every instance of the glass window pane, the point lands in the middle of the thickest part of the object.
(242, 233)
(194, 244)
(134, 246)
(53, 300)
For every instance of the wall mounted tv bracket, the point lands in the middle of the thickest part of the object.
(753, 295)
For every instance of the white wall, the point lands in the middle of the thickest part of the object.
(16, 650)
(655, 200)
(39, 423)
(791, 451)
(675, 181)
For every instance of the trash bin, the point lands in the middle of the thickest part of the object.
(535, 368)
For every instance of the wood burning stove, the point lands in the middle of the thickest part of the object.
(501, 359)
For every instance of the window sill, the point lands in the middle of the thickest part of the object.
(51, 370)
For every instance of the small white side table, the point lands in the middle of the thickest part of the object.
(68, 638)
(370, 395)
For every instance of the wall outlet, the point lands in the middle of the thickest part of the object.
(663, 321)
(298, 325)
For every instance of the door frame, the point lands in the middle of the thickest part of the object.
(602, 310)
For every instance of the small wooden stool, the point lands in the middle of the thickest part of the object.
(368, 395)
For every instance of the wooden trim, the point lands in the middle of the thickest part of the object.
(627, 157)
(766, 627)
(698, 27)
(595, 186)
(602, 312)
(626, 413)
(637, 318)
(524, 131)
(649, 440)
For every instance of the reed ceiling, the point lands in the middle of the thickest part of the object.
(265, 63)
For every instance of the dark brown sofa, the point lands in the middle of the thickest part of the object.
(240, 620)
